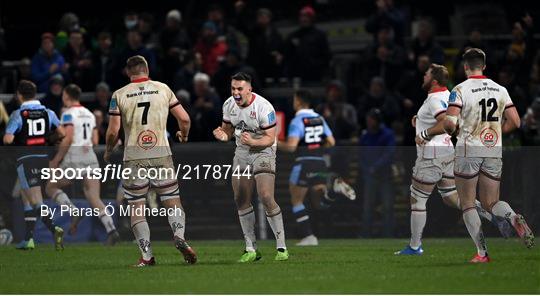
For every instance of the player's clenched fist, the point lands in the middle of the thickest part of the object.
(220, 134)
(246, 139)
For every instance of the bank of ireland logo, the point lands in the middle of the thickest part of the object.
(147, 139)
(489, 137)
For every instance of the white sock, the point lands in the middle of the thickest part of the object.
(177, 221)
(503, 209)
(61, 198)
(275, 219)
(474, 226)
(142, 236)
(247, 221)
(483, 213)
(107, 221)
(418, 221)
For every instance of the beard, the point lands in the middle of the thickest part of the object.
(427, 85)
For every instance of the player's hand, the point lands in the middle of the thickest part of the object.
(419, 140)
(220, 134)
(246, 139)
(413, 121)
(107, 156)
(54, 163)
(181, 137)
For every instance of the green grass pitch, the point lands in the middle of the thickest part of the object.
(336, 266)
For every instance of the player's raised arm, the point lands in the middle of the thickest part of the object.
(224, 132)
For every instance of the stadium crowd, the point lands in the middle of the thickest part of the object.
(197, 62)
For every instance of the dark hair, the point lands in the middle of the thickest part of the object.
(304, 96)
(376, 114)
(73, 91)
(439, 73)
(475, 58)
(135, 64)
(242, 76)
(27, 89)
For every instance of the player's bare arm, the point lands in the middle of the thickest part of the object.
(267, 139)
(63, 147)
(511, 120)
(224, 132)
(450, 121)
(111, 136)
(184, 122)
(8, 139)
(428, 134)
(330, 141)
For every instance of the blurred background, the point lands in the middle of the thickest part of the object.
(352, 55)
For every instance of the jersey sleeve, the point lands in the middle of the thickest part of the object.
(296, 128)
(67, 118)
(114, 110)
(267, 117)
(507, 100)
(226, 112)
(437, 106)
(53, 119)
(173, 101)
(455, 99)
(15, 123)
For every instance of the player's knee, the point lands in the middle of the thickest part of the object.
(168, 193)
(447, 192)
(488, 205)
(418, 199)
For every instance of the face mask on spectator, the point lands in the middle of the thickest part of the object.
(130, 24)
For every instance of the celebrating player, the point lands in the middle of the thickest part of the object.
(252, 120)
(32, 126)
(144, 105)
(485, 111)
(435, 160)
(75, 151)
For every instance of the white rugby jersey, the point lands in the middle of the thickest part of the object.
(144, 106)
(83, 122)
(434, 105)
(258, 116)
(482, 104)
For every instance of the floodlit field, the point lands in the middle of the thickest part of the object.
(336, 266)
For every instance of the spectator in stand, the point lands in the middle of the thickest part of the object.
(205, 109)
(531, 124)
(47, 63)
(386, 15)
(265, 44)
(101, 101)
(79, 61)
(69, 22)
(233, 64)
(131, 20)
(424, 43)
(376, 158)
(53, 96)
(519, 56)
(380, 98)
(338, 113)
(175, 44)
(475, 41)
(3, 47)
(104, 60)
(136, 47)
(211, 48)
(519, 95)
(145, 26)
(101, 125)
(224, 31)
(184, 77)
(385, 58)
(413, 96)
(307, 53)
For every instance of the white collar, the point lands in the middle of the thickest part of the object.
(31, 102)
(304, 110)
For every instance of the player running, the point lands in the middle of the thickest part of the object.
(435, 160)
(143, 106)
(308, 136)
(252, 121)
(32, 126)
(485, 111)
(75, 151)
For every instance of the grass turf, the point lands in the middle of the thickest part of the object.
(336, 266)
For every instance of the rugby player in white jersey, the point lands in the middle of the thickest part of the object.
(143, 106)
(484, 111)
(75, 151)
(251, 119)
(435, 160)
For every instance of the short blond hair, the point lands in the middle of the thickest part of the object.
(136, 65)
